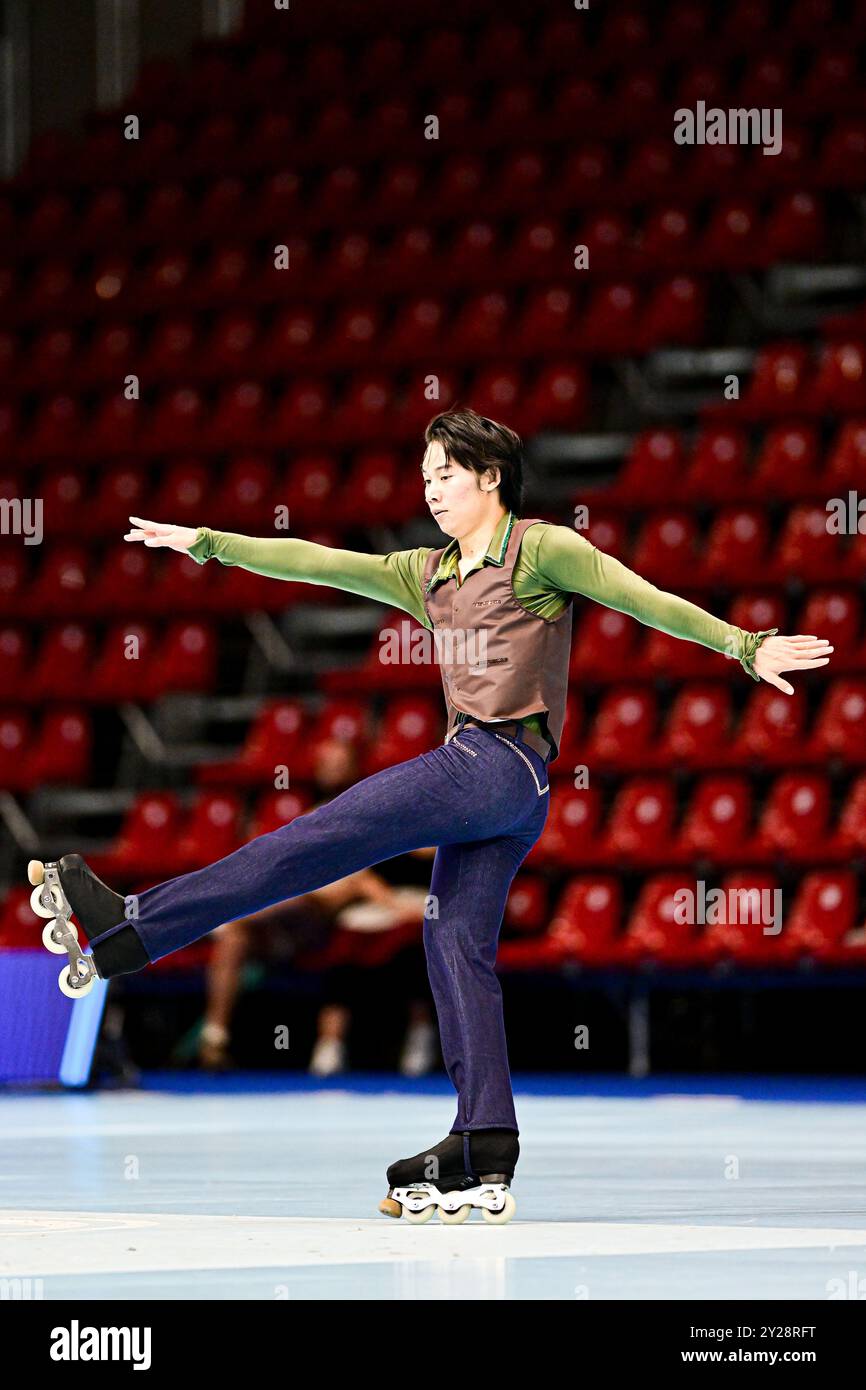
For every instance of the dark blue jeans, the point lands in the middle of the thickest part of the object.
(482, 799)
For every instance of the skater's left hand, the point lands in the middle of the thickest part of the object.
(799, 653)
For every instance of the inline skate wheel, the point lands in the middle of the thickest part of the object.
(37, 906)
(419, 1218)
(453, 1218)
(505, 1213)
(70, 990)
(50, 941)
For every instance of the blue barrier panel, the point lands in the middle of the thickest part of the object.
(44, 1037)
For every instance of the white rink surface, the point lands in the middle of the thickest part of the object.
(131, 1194)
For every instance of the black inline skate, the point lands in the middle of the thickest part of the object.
(65, 887)
(471, 1169)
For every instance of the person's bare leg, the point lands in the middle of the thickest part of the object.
(231, 944)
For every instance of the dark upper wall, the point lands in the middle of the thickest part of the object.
(55, 46)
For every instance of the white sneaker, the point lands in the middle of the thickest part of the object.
(419, 1050)
(329, 1057)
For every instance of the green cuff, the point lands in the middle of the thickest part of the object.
(750, 646)
(201, 548)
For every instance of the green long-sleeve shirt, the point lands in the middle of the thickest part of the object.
(553, 562)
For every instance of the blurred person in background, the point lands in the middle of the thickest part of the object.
(301, 924)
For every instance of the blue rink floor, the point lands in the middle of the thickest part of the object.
(263, 1187)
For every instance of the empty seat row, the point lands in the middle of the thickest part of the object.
(751, 922)
(715, 231)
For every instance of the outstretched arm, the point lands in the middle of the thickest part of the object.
(388, 578)
(568, 561)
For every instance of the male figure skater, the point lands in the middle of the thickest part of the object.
(498, 600)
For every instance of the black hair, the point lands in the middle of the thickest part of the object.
(477, 443)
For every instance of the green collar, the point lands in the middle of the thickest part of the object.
(495, 552)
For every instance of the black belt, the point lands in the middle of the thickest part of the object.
(542, 746)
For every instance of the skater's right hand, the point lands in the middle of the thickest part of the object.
(157, 533)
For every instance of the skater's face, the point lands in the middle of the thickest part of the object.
(457, 497)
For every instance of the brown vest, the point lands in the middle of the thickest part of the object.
(498, 660)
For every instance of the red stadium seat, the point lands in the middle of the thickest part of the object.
(111, 349)
(840, 384)
(310, 487)
(417, 328)
(623, 728)
(293, 336)
(837, 615)
(795, 820)
(717, 821)
(718, 467)
(609, 324)
(182, 495)
(586, 922)
(231, 344)
(659, 928)
(373, 488)
(731, 241)
(737, 544)
(823, 914)
(840, 725)
(653, 468)
(16, 746)
(62, 663)
(62, 585)
(547, 320)
(62, 750)
(850, 835)
(299, 413)
(699, 726)
(15, 651)
(674, 313)
(239, 414)
(211, 831)
(572, 834)
(397, 193)
(275, 737)
(364, 407)
(779, 381)
(787, 463)
(846, 465)
(640, 829)
(410, 725)
(177, 420)
(187, 659)
(807, 547)
(526, 910)
(772, 728)
(795, 229)
(667, 547)
(480, 325)
(222, 207)
(242, 503)
(604, 642)
(125, 667)
(747, 933)
(557, 399)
